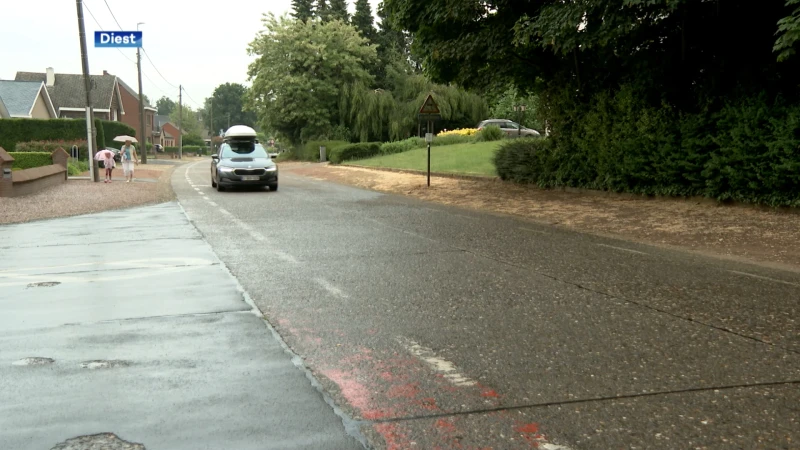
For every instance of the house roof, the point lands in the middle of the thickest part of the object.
(134, 93)
(161, 119)
(68, 90)
(19, 97)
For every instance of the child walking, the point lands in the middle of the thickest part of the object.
(108, 163)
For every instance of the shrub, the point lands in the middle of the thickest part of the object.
(388, 148)
(286, 156)
(451, 140)
(490, 133)
(354, 151)
(310, 151)
(114, 129)
(29, 160)
(75, 168)
(51, 146)
(523, 160)
(459, 132)
(13, 131)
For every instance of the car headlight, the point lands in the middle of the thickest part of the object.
(225, 169)
(271, 169)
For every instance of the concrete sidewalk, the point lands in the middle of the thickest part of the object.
(124, 328)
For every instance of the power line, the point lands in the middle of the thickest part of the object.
(154, 66)
(193, 100)
(112, 14)
(101, 29)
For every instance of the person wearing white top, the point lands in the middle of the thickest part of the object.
(129, 157)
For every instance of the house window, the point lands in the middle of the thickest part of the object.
(115, 115)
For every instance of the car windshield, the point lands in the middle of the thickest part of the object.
(238, 149)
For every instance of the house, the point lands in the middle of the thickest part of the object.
(130, 103)
(68, 94)
(167, 131)
(25, 99)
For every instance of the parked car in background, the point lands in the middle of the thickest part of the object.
(510, 128)
(116, 152)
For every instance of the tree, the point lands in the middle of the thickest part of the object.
(228, 105)
(303, 9)
(165, 106)
(322, 11)
(338, 11)
(299, 72)
(362, 19)
(188, 121)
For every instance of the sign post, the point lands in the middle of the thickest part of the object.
(430, 113)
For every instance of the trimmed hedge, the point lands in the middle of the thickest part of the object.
(354, 151)
(747, 151)
(51, 146)
(114, 129)
(14, 131)
(389, 148)
(29, 160)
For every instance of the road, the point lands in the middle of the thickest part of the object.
(435, 327)
(123, 330)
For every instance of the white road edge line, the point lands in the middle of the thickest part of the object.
(436, 363)
(622, 249)
(764, 278)
(330, 287)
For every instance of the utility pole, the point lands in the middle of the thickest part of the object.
(142, 136)
(180, 122)
(90, 141)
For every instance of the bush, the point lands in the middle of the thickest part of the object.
(51, 146)
(29, 160)
(75, 168)
(389, 148)
(310, 150)
(523, 160)
(286, 156)
(14, 131)
(354, 151)
(451, 140)
(490, 133)
(114, 129)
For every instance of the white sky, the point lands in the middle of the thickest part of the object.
(198, 47)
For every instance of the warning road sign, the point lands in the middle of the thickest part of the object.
(429, 110)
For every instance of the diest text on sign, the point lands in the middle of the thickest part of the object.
(117, 38)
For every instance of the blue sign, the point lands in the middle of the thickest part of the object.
(112, 39)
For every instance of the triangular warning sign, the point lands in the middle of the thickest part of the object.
(430, 106)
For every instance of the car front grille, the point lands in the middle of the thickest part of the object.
(249, 171)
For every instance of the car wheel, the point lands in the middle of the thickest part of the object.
(273, 187)
(219, 187)
(213, 183)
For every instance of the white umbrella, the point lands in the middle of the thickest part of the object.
(124, 138)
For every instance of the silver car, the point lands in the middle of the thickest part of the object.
(510, 128)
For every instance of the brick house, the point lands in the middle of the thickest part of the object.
(167, 132)
(68, 94)
(130, 102)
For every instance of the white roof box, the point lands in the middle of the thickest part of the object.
(240, 131)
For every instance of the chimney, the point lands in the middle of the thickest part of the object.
(51, 77)
(105, 72)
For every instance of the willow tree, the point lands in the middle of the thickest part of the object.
(300, 71)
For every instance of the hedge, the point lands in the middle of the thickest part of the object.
(114, 129)
(29, 160)
(51, 146)
(354, 151)
(310, 150)
(14, 131)
(748, 150)
(186, 149)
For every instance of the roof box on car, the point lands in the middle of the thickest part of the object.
(240, 131)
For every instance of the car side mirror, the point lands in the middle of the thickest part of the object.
(215, 157)
(273, 156)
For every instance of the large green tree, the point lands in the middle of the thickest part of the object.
(363, 20)
(337, 10)
(322, 10)
(303, 9)
(165, 106)
(188, 120)
(227, 105)
(299, 72)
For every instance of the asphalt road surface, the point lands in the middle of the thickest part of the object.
(123, 331)
(435, 327)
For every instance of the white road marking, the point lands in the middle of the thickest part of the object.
(441, 365)
(330, 288)
(210, 202)
(533, 231)
(622, 249)
(764, 278)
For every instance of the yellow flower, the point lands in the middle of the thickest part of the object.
(459, 132)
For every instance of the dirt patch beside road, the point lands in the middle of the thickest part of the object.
(83, 196)
(739, 232)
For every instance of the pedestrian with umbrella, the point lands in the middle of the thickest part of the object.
(128, 156)
(107, 156)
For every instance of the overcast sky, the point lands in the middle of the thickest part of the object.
(198, 47)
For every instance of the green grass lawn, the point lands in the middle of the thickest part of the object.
(469, 159)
